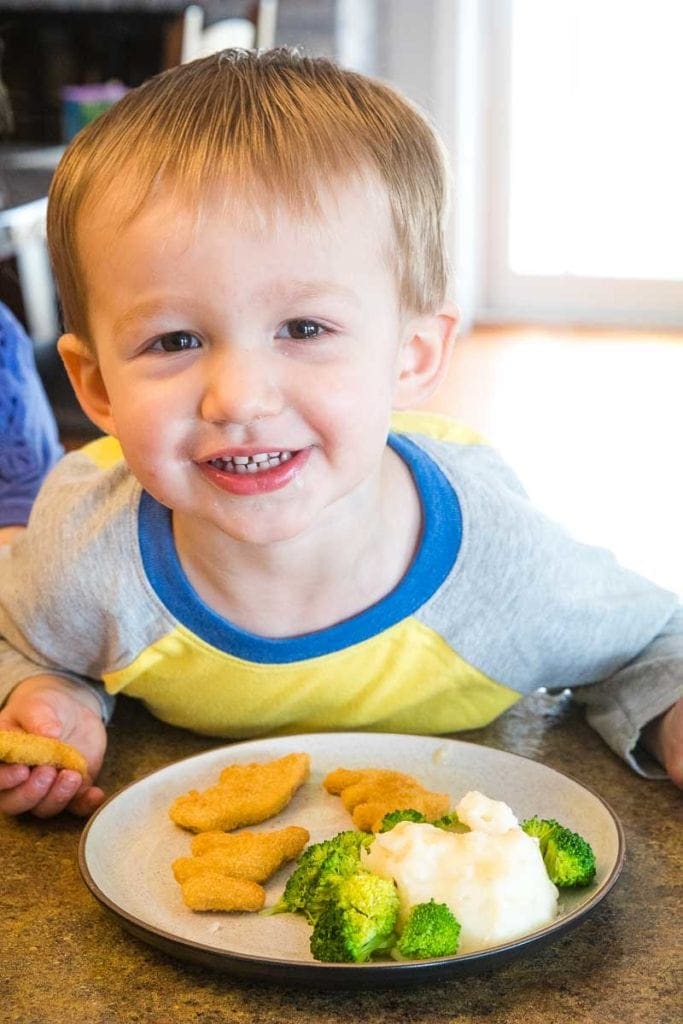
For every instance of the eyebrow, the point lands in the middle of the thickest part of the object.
(287, 291)
(143, 311)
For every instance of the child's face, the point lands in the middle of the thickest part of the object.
(225, 340)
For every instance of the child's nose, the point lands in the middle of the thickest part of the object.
(242, 385)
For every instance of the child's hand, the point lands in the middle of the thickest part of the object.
(664, 739)
(51, 706)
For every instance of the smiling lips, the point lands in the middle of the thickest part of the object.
(254, 474)
(251, 463)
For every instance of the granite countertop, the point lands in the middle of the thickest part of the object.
(64, 959)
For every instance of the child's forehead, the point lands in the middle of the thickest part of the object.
(358, 202)
(258, 243)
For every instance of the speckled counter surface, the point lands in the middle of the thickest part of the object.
(62, 959)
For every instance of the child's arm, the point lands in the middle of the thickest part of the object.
(640, 707)
(52, 706)
(58, 629)
(531, 607)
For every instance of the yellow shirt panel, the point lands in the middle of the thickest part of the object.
(104, 452)
(406, 679)
(436, 425)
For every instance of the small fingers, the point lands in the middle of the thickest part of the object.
(86, 802)
(12, 775)
(59, 795)
(29, 792)
(45, 792)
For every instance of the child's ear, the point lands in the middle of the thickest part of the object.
(86, 380)
(424, 356)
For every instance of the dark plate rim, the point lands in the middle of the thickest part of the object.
(324, 975)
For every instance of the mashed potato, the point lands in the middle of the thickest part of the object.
(492, 878)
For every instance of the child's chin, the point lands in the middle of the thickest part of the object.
(262, 532)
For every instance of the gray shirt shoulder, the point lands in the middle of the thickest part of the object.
(531, 607)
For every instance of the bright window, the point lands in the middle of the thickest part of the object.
(596, 138)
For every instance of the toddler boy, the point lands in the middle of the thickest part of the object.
(249, 253)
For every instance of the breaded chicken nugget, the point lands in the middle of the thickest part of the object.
(340, 778)
(211, 863)
(345, 778)
(245, 795)
(26, 748)
(213, 891)
(378, 784)
(370, 793)
(288, 841)
(252, 855)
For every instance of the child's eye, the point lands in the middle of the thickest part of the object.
(301, 330)
(177, 341)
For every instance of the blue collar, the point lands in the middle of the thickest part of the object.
(433, 561)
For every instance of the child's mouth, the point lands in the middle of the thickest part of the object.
(251, 463)
(255, 474)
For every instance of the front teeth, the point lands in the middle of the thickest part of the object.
(251, 463)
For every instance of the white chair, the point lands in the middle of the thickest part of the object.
(199, 41)
(26, 172)
(22, 235)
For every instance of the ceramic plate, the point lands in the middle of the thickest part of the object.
(128, 845)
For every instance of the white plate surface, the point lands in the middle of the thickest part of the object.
(129, 844)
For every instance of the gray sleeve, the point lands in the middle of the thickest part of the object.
(74, 600)
(15, 668)
(619, 707)
(531, 607)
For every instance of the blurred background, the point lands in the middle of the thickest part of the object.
(562, 119)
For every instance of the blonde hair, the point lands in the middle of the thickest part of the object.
(272, 119)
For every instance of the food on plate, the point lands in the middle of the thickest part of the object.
(415, 880)
(357, 921)
(354, 913)
(568, 858)
(393, 817)
(322, 865)
(450, 821)
(430, 930)
(492, 878)
(370, 793)
(214, 891)
(26, 748)
(252, 855)
(468, 881)
(244, 795)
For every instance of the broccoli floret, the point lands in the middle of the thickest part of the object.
(342, 860)
(302, 880)
(320, 866)
(568, 858)
(392, 818)
(430, 930)
(357, 920)
(451, 823)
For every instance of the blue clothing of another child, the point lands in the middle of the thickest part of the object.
(29, 445)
